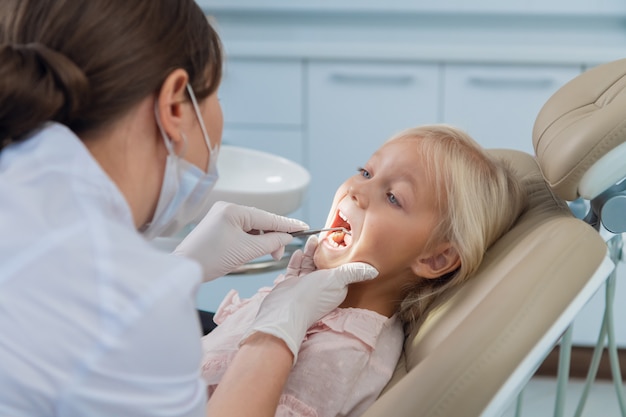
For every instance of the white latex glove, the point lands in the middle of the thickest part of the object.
(296, 303)
(224, 239)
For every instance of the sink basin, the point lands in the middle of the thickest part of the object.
(259, 179)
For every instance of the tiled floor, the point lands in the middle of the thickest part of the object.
(539, 399)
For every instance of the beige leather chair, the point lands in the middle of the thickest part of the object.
(473, 351)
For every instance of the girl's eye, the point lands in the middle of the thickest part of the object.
(364, 173)
(393, 200)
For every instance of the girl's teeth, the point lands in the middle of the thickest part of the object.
(347, 240)
(343, 216)
(337, 236)
(337, 239)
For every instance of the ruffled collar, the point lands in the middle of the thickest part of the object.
(365, 325)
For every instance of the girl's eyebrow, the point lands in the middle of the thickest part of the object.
(408, 176)
(411, 178)
(404, 178)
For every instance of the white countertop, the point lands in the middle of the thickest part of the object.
(438, 37)
(557, 55)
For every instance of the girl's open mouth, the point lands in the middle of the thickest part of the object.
(339, 239)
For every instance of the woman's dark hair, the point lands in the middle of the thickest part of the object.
(85, 63)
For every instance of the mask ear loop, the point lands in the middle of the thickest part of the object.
(196, 108)
(166, 139)
(184, 150)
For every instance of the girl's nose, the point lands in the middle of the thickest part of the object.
(358, 195)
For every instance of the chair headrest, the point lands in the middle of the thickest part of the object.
(580, 133)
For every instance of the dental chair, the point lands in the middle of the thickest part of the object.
(475, 349)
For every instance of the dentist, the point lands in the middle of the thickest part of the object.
(110, 129)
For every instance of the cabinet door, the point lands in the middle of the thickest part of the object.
(352, 109)
(210, 294)
(262, 92)
(283, 142)
(497, 105)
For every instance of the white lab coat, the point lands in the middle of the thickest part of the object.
(93, 320)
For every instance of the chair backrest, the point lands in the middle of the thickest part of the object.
(490, 335)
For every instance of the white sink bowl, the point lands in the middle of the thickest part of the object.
(259, 179)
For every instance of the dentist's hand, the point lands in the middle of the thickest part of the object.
(222, 241)
(296, 303)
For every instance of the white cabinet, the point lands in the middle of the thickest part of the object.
(352, 109)
(287, 143)
(262, 92)
(497, 104)
(210, 294)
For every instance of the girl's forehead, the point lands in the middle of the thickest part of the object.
(409, 147)
(413, 155)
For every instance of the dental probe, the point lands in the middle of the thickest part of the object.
(316, 231)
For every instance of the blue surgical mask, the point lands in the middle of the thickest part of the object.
(185, 188)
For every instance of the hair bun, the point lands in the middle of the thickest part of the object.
(37, 84)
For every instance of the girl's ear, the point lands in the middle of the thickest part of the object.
(438, 262)
(170, 98)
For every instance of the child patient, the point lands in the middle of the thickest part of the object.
(422, 211)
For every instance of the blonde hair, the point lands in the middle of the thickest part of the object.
(479, 199)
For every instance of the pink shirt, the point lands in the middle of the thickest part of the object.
(345, 361)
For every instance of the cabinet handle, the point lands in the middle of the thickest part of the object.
(520, 83)
(353, 78)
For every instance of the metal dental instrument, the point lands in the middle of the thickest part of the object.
(316, 231)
